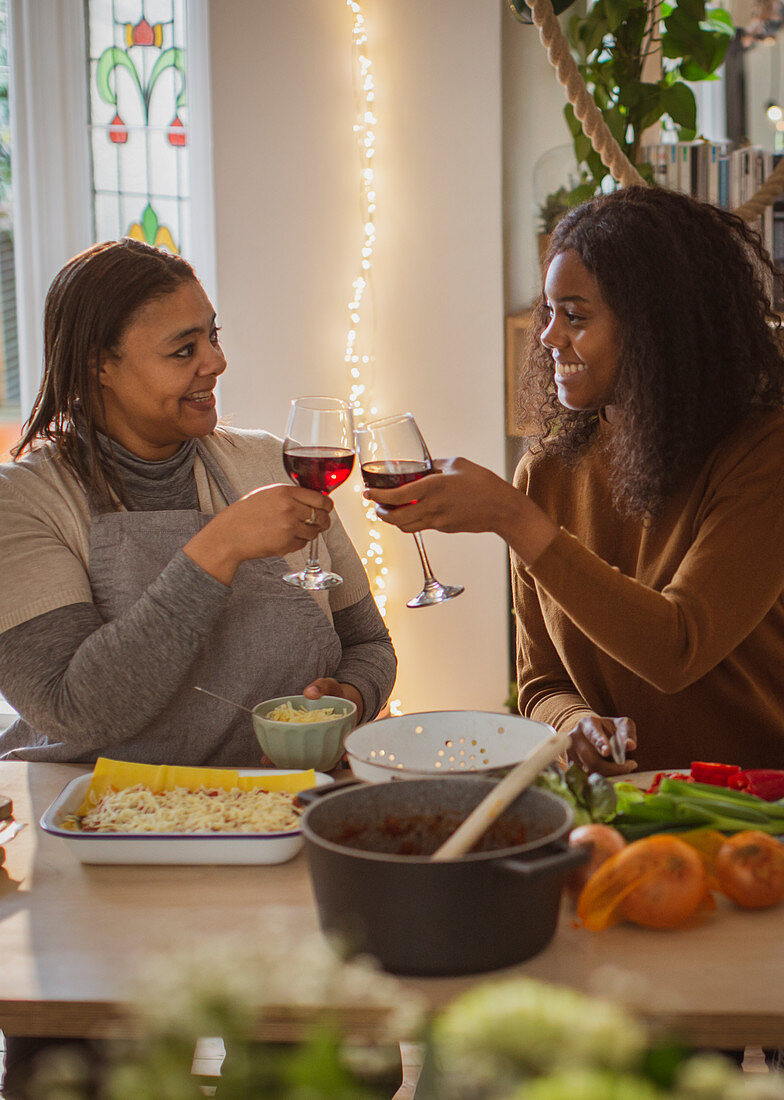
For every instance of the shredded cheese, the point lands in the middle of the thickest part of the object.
(138, 809)
(285, 712)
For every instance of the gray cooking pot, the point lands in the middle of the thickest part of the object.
(377, 888)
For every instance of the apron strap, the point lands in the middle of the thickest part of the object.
(206, 469)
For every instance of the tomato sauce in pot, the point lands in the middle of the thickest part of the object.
(422, 834)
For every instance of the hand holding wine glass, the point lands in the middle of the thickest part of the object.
(469, 498)
(392, 453)
(318, 453)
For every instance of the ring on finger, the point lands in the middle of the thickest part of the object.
(312, 521)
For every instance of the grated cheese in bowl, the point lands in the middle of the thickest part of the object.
(294, 731)
(285, 712)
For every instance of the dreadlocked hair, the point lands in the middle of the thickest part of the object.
(88, 308)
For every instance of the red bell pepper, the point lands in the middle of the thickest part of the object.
(718, 775)
(767, 783)
(683, 776)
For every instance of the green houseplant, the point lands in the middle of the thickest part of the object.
(636, 57)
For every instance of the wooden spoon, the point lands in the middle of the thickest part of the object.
(493, 805)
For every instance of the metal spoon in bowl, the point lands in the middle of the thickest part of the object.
(231, 702)
(493, 805)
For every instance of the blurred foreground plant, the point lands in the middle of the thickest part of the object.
(351, 1017)
(518, 1039)
(507, 1039)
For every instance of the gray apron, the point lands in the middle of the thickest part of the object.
(271, 639)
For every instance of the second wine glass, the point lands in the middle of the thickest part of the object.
(392, 452)
(318, 453)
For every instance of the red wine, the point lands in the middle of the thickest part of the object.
(320, 468)
(391, 473)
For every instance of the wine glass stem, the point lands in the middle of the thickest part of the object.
(312, 564)
(429, 578)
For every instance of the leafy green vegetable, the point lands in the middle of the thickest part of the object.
(678, 805)
(592, 797)
(602, 798)
(706, 790)
(674, 807)
(553, 779)
(627, 794)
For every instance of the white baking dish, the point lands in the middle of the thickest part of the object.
(172, 848)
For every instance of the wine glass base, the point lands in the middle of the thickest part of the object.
(313, 581)
(434, 593)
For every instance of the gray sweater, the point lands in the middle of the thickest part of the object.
(81, 684)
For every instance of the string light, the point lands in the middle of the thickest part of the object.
(360, 355)
(360, 337)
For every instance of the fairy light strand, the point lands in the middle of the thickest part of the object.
(359, 354)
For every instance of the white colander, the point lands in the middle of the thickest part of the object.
(437, 742)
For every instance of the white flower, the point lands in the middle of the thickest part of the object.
(186, 992)
(537, 1027)
(714, 1077)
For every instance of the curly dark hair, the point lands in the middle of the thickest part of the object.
(690, 286)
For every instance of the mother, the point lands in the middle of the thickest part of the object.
(139, 555)
(646, 523)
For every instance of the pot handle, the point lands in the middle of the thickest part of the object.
(313, 794)
(564, 858)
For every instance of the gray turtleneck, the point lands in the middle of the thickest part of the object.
(59, 670)
(156, 486)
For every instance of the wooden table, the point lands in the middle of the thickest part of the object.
(71, 937)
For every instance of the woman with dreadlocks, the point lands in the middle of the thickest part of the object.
(143, 545)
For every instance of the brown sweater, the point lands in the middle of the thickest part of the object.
(678, 623)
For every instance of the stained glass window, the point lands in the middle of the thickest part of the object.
(139, 121)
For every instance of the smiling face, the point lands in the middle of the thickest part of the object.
(157, 387)
(582, 336)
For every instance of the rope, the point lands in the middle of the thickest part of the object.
(597, 130)
(767, 194)
(585, 109)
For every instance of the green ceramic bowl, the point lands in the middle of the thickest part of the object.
(316, 745)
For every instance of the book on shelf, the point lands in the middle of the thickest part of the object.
(726, 176)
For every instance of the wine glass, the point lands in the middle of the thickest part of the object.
(392, 452)
(318, 453)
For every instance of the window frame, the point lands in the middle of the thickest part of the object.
(50, 142)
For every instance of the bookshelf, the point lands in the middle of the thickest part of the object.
(710, 171)
(516, 332)
(722, 174)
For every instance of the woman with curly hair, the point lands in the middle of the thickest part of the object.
(646, 521)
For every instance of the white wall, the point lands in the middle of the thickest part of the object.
(288, 236)
(533, 103)
(764, 69)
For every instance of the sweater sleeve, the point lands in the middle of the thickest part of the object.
(369, 663)
(726, 583)
(41, 545)
(88, 683)
(546, 693)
